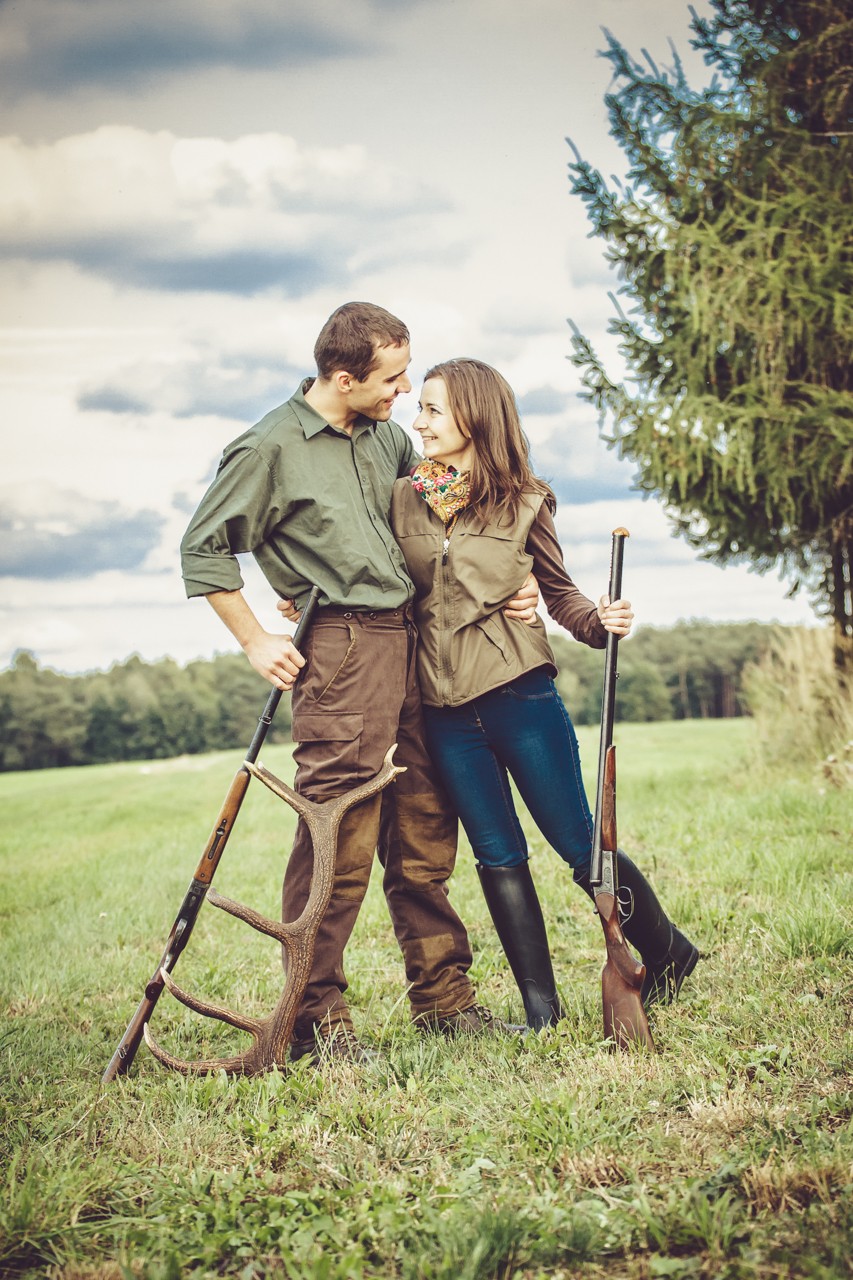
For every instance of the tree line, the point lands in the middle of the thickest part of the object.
(692, 671)
(135, 711)
(148, 710)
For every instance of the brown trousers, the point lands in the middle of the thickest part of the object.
(356, 695)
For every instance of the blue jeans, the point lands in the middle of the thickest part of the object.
(521, 729)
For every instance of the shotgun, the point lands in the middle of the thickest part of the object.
(123, 1057)
(625, 1020)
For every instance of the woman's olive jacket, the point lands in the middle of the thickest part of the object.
(466, 645)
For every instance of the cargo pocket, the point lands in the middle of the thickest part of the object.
(328, 749)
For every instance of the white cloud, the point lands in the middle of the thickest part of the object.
(166, 212)
(47, 533)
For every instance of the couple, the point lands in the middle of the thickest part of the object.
(327, 490)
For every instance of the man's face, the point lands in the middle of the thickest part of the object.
(376, 395)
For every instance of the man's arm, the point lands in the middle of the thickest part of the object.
(272, 656)
(522, 606)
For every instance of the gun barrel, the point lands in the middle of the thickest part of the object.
(608, 711)
(178, 939)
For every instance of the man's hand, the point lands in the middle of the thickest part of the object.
(616, 617)
(272, 656)
(523, 604)
(287, 608)
(275, 658)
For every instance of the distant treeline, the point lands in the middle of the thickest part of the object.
(146, 710)
(135, 711)
(691, 671)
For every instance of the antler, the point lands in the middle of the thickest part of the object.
(271, 1035)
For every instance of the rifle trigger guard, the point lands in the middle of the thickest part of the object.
(626, 904)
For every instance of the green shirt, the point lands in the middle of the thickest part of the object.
(311, 504)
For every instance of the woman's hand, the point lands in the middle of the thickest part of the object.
(616, 617)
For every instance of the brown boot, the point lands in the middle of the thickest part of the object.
(338, 1045)
(476, 1020)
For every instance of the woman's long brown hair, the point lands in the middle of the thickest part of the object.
(483, 404)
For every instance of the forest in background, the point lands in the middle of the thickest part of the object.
(156, 710)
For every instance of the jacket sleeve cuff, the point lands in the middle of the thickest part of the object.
(205, 573)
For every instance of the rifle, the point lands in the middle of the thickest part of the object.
(185, 920)
(625, 1020)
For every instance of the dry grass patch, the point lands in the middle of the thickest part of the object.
(782, 1185)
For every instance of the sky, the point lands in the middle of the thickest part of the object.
(188, 188)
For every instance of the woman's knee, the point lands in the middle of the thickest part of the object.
(493, 859)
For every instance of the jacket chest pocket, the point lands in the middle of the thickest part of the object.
(491, 564)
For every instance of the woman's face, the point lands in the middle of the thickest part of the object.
(441, 437)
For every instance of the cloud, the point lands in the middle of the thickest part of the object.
(239, 271)
(180, 214)
(523, 317)
(108, 399)
(545, 399)
(72, 537)
(55, 46)
(587, 266)
(242, 387)
(568, 453)
(581, 490)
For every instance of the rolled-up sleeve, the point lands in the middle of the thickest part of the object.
(233, 517)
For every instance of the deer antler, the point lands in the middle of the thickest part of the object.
(271, 1035)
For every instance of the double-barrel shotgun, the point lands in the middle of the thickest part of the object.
(625, 1021)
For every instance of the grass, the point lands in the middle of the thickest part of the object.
(729, 1153)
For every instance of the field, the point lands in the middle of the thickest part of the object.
(729, 1153)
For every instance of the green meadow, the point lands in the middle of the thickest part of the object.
(728, 1153)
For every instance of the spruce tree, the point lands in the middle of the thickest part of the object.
(731, 237)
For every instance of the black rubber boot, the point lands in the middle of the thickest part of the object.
(667, 954)
(517, 916)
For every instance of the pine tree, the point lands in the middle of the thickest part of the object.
(732, 240)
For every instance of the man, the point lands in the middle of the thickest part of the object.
(307, 491)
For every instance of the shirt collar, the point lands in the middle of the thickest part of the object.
(311, 421)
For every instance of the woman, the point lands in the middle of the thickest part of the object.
(472, 520)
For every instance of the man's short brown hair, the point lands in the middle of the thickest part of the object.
(352, 336)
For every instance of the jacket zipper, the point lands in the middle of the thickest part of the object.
(444, 627)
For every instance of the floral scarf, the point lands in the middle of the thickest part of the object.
(445, 489)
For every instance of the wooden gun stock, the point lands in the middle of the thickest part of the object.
(185, 920)
(608, 802)
(625, 1020)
